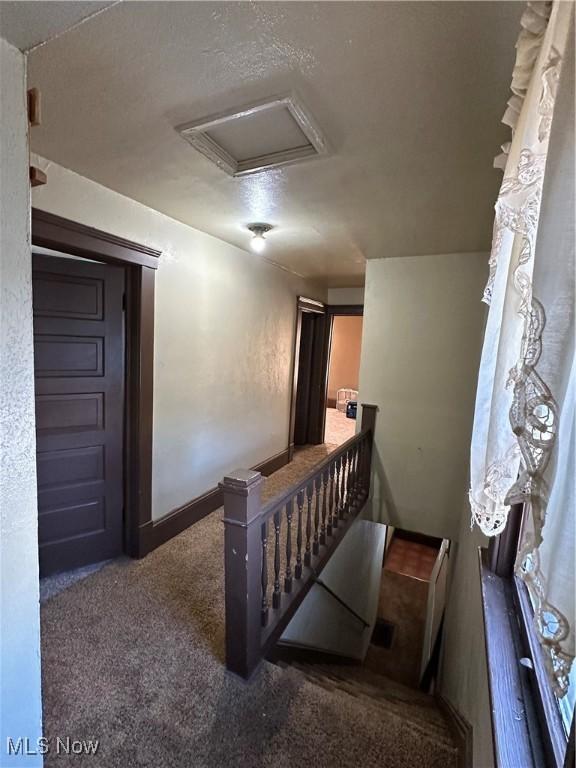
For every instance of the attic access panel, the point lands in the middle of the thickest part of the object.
(261, 136)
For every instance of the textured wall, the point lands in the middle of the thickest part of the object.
(20, 711)
(224, 336)
(420, 352)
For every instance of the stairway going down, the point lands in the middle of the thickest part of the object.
(414, 731)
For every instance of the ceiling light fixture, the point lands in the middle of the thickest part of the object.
(258, 242)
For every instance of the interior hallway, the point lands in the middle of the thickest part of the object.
(133, 656)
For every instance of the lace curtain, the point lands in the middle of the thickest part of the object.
(523, 438)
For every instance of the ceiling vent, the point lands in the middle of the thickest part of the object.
(258, 137)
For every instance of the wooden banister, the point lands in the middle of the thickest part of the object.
(273, 554)
(242, 563)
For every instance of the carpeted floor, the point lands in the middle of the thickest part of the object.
(339, 427)
(133, 656)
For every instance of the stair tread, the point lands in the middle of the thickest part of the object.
(377, 680)
(380, 684)
(441, 741)
(414, 706)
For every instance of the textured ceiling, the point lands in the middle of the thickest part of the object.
(409, 96)
(30, 23)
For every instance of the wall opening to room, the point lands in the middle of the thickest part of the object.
(343, 372)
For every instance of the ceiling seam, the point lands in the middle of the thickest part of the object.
(71, 27)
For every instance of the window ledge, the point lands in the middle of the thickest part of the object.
(517, 735)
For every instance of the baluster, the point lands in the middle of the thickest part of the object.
(288, 577)
(276, 594)
(331, 523)
(356, 474)
(307, 549)
(324, 500)
(300, 504)
(363, 461)
(343, 488)
(316, 543)
(264, 575)
(337, 493)
(350, 479)
(361, 468)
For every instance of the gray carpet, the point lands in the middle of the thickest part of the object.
(133, 657)
(53, 585)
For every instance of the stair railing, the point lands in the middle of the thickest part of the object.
(274, 553)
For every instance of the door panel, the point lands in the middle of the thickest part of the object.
(304, 377)
(309, 402)
(71, 355)
(79, 375)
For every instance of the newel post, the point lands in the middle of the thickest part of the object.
(369, 422)
(369, 417)
(243, 564)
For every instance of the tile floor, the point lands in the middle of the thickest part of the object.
(410, 558)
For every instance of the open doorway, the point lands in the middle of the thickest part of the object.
(326, 369)
(406, 640)
(344, 347)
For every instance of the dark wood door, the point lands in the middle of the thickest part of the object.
(308, 421)
(305, 361)
(79, 376)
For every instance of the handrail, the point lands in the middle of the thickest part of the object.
(274, 553)
(284, 496)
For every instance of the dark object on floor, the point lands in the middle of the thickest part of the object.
(383, 633)
(351, 409)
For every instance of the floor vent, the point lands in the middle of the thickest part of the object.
(383, 633)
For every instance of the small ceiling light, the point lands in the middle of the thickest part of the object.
(258, 242)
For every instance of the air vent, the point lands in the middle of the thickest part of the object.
(258, 137)
(383, 634)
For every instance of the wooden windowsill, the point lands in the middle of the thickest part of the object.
(517, 735)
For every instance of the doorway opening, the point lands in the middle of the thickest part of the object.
(93, 306)
(344, 349)
(326, 360)
(406, 641)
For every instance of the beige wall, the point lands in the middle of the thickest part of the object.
(20, 699)
(463, 670)
(344, 354)
(423, 323)
(420, 352)
(345, 295)
(224, 338)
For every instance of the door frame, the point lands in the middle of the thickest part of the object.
(303, 305)
(140, 263)
(332, 311)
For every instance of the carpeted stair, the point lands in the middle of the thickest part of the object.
(392, 707)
